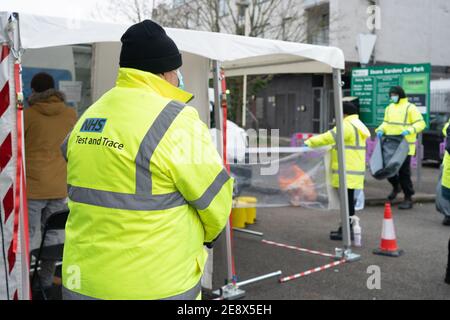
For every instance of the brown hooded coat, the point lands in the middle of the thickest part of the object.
(47, 122)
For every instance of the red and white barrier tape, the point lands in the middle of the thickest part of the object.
(304, 136)
(309, 272)
(299, 249)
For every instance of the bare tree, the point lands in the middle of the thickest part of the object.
(164, 15)
(221, 15)
(126, 10)
(260, 15)
(275, 19)
(203, 15)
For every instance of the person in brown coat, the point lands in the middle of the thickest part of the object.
(47, 122)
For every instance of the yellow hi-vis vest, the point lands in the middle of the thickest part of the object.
(355, 136)
(446, 163)
(400, 117)
(147, 189)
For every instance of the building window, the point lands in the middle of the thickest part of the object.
(285, 25)
(318, 24)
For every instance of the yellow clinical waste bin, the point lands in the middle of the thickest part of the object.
(238, 216)
(250, 204)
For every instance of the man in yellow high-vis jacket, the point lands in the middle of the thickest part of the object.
(147, 188)
(402, 118)
(446, 173)
(355, 136)
(446, 192)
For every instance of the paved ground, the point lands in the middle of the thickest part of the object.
(416, 275)
(375, 189)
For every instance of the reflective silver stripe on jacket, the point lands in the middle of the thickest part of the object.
(150, 143)
(333, 134)
(191, 294)
(143, 199)
(64, 146)
(205, 200)
(353, 173)
(116, 200)
(357, 145)
(405, 122)
(357, 139)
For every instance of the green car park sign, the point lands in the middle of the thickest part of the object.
(372, 84)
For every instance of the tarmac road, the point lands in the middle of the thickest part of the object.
(416, 275)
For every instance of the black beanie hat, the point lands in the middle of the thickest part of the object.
(398, 90)
(350, 109)
(146, 47)
(42, 82)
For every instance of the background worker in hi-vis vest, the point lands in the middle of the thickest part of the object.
(355, 136)
(446, 189)
(402, 118)
(147, 188)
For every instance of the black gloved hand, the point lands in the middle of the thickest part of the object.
(210, 245)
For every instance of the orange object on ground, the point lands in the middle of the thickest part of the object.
(388, 245)
(298, 184)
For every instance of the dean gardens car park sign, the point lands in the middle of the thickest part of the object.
(372, 84)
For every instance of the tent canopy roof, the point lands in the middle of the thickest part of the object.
(240, 55)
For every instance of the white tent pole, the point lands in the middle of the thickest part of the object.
(244, 102)
(231, 291)
(15, 44)
(338, 107)
(217, 107)
(218, 115)
(245, 84)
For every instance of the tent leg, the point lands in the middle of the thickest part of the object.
(232, 290)
(217, 111)
(218, 115)
(244, 102)
(419, 153)
(343, 196)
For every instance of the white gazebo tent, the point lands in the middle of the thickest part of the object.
(21, 30)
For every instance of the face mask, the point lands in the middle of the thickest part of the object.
(180, 80)
(395, 99)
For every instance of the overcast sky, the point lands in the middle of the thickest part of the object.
(82, 9)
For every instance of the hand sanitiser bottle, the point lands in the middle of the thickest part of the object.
(357, 242)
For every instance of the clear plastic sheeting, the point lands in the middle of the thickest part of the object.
(299, 177)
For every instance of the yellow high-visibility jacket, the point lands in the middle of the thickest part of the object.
(446, 170)
(355, 136)
(147, 189)
(400, 117)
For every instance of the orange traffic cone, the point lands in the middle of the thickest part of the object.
(388, 238)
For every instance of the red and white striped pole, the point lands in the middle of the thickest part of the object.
(281, 245)
(312, 271)
(14, 253)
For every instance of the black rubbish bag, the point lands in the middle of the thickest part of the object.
(442, 204)
(388, 157)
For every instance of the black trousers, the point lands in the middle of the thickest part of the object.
(403, 179)
(351, 202)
